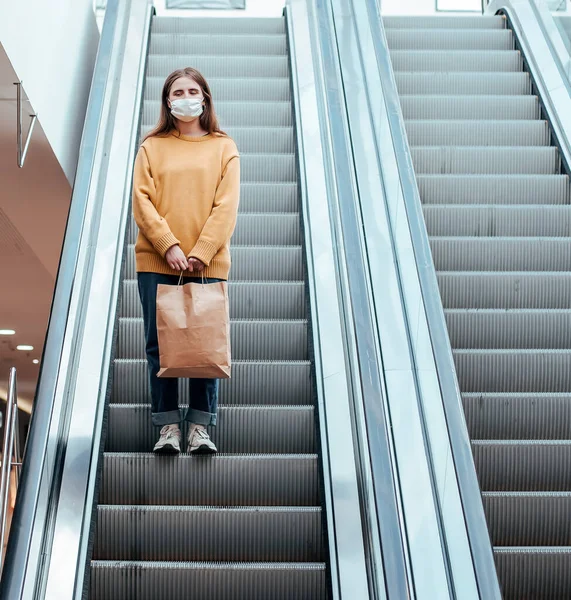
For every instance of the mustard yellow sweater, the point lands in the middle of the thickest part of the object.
(186, 191)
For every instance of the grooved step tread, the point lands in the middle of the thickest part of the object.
(200, 533)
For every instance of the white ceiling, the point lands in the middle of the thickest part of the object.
(34, 202)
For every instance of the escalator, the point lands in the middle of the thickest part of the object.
(246, 523)
(496, 204)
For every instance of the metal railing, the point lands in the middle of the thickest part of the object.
(10, 456)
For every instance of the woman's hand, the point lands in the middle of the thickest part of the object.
(176, 259)
(195, 265)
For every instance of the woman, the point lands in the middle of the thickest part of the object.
(185, 203)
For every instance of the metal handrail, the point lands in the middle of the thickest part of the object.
(10, 455)
(38, 470)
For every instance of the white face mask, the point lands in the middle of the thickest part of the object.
(187, 109)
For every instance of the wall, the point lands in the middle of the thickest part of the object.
(52, 46)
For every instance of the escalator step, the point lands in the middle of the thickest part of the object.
(485, 160)
(220, 480)
(253, 263)
(508, 83)
(470, 107)
(502, 329)
(528, 518)
(513, 370)
(247, 300)
(232, 66)
(436, 132)
(197, 533)
(494, 189)
(518, 416)
(444, 61)
(444, 22)
(534, 572)
(523, 465)
(500, 254)
(497, 220)
(252, 383)
(449, 39)
(226, 44)
(258, 230)
(279, 430)
(263, 89)
(212, 581)
(474, 289)
(251, 340)
(217, 26)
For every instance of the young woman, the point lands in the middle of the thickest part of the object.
(185, 202)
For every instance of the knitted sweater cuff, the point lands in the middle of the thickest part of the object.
(166, 242)
(204, 251)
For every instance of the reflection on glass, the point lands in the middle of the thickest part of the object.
(564, 25)
(459, 5)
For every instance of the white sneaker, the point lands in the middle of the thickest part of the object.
(169, 442)
(199, 441)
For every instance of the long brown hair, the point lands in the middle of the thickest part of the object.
(167, 123)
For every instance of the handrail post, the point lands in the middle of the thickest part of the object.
(7, 449)
(23, 149)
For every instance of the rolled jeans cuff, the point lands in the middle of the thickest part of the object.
(171, 417)
(200, 417)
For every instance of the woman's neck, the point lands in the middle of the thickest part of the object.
(192, 128)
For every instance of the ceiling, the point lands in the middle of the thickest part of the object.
(34, 203)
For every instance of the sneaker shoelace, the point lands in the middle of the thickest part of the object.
(168, 433)
(201, 433)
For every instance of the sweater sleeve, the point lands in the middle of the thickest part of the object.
(150, 223)
(220, 224)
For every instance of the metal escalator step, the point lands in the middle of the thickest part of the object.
(504, 290)
(231, 66)
(212, 26)
(503, 84)
(277, 197)
(278, 300)
(501, 254)
(523, 465)
(251, 340)
(239, 430)
(235, 114)
(493, 189)
(228, 89)
(485, 160)
(268, 140)
(220, 480)
(459, 61)
(226, 44)
(497, 220)
(518, 416)
(534, 572)
(253, 263)
(528, 518)
(258, 229)
(201, 533)
(513, 370)
(444, 22)
(252, 383)
(477, 133)
(213, 581)
(504, 329)
(470, 107)
(449, 39)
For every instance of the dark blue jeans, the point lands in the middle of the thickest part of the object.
(203, 401)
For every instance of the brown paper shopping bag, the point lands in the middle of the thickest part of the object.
(193, 324)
